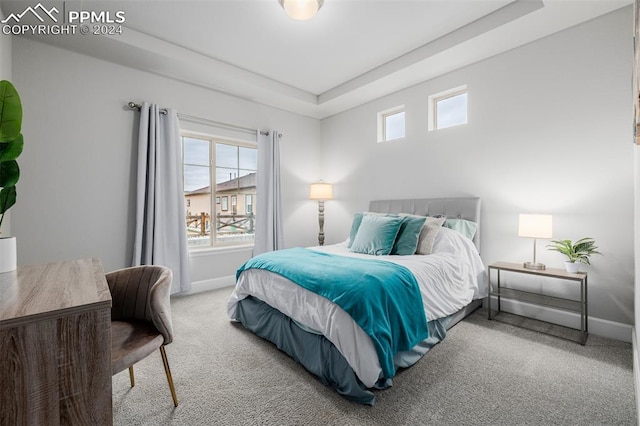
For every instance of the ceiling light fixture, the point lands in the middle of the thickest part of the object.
(301, 10)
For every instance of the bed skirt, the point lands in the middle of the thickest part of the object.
(320, 357)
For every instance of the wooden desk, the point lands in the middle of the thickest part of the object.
(55, 345)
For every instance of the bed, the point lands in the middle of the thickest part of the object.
(345, 339)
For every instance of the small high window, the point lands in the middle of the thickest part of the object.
(448, 108)
(391, 125)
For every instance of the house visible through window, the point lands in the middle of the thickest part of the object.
(448, 108)
(217, 171)
(391, 124)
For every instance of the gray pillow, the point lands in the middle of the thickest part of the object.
(428, 234)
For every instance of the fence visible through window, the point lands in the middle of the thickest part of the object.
(224, 215)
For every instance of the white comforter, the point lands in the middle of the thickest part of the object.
(449, 278)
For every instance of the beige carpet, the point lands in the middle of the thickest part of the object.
(484, 373)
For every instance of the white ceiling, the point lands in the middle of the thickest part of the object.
(345, 39)
(353, 51)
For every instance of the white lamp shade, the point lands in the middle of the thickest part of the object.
(535, 226)
(301, 10)
(321, 191)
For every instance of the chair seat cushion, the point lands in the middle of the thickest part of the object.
(131, 341)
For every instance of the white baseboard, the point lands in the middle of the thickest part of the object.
(636, 374)
(597, 326)
(212, 284)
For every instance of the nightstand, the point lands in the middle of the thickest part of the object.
(539, 299)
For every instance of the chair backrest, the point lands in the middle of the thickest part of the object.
(142, 293)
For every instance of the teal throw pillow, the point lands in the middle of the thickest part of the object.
(463, 226)
(407, 239)
(376, 234)
(357, 220)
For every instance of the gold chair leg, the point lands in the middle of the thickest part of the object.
(131, 378)
(169, 377)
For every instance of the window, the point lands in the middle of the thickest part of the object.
(248, 203)
(391, 124)
(234, 204)
(448, 109)
(217, 171)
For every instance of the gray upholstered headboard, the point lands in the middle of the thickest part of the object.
(462, 208)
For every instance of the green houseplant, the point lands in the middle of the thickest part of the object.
(578, 252)
(11, 144)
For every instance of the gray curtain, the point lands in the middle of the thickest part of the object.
(160, 237)
(268, 230)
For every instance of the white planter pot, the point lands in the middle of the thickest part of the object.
(572, 267)
(8, 254)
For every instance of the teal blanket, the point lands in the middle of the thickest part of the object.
(382, 297)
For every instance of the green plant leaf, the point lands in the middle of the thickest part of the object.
(12, 149)
(9, 173)
(580, 251)
(10, 112)
(7, 198)
(562, 246)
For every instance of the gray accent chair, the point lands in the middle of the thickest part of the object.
(140, 317)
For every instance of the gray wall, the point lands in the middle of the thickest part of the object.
(5, 74)
(78, 166)
(5, 54)
(549, 132)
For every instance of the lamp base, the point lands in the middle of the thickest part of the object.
(534, 266)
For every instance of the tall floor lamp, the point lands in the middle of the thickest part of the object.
(321, 191)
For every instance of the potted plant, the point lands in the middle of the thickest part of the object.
(578, 252)
(11, 144)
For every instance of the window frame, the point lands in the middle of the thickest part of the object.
(382, 123)
(214, 198)
(446, 94)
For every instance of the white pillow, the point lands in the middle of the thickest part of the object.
(452, 242)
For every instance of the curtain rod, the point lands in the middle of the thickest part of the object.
(194, 119)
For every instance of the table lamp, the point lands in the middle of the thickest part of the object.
(321, 191)
(535, 226)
